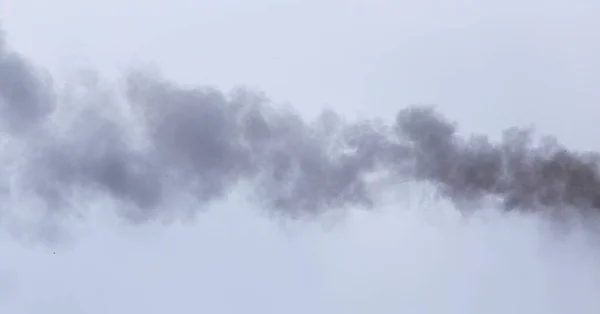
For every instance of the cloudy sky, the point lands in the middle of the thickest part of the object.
(487, 66)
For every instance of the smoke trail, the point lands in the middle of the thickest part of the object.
(522, 174)
(204, 142)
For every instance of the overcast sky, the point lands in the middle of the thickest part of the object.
(488, 66)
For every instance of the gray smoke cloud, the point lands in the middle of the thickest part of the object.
(156, 139)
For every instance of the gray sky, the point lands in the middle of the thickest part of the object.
(487, 66)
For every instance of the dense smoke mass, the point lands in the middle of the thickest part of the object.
(151, 139)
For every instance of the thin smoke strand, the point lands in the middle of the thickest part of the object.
(202, 141)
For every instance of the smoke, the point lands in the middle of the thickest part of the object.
(150, 139)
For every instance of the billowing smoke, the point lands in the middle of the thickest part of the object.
(151, 139)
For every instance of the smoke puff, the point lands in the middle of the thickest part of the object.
(204, 142)
(25, 97)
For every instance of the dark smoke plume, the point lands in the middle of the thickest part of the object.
(157, 139)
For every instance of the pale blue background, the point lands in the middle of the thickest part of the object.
(489, 65)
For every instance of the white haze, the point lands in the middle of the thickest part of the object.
(488, 66)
